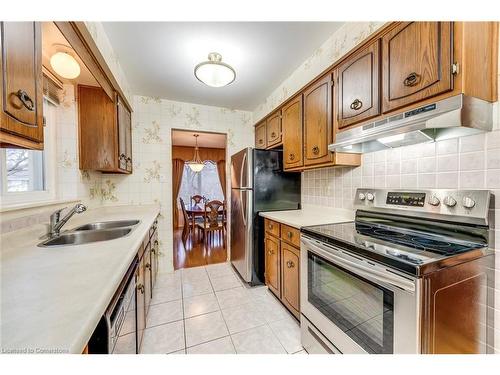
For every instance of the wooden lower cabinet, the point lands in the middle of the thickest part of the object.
(272, 248)
(140, 299)
(290, 278)
(282, 264)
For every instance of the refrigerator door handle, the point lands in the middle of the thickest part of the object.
(244, 171)
(244, 204)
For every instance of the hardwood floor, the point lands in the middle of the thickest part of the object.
(197, 253)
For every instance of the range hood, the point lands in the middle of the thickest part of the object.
(453, 117)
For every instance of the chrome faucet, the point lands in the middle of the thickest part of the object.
(56, 223)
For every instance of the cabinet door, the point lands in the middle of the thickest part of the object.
(155, 248)
(140, 304)
(260, 136)
(358, 86)
(318, 122)
(291, 124)
(417, 62)
(148, 287)
(273, 129)
(290, 282)
(21, 81)
(273, 264)
(98, 136)
(124, 136)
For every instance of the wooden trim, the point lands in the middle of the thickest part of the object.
(84, 45)
(56, 81)
(85, 34)
(15, 141)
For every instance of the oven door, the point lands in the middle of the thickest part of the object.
(360, 306)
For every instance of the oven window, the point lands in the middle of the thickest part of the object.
(360, 308)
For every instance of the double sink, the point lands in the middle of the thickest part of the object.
(92, 232)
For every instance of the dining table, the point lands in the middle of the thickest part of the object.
(198, 209)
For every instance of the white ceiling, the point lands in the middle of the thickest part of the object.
(159, 57)
(186, 138)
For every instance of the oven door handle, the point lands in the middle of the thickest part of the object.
(370, 272)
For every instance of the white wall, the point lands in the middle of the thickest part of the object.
(151, 182)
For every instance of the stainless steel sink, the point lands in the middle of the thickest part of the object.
(107, 225)
(84, 237)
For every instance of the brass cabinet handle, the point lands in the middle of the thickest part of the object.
(290, 264)
(291, 156)
(26, 100)
(356, 104)
(315, 150)
(148, 266)
(273, 135)
(289, 234)
(261, 141)
(141, 288)
(155, 243)
(412, 79)
(270, 252)
(270, 226)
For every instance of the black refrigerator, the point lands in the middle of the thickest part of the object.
(258, 183)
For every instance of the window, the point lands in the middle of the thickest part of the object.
(24, 170)
(205, 183)
(25, 174)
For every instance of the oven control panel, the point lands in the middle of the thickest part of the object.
(405, 199)
(469, 206)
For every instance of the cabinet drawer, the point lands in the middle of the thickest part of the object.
(290, 235)
(272, 227)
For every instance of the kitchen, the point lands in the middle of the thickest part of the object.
(359, 195)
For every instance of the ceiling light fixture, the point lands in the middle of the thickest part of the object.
(214, 72)
(196, 164)
(64, 64)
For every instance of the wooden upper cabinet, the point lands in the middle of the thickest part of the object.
(104, 125)
(318, 132)
(273, 129)
(358, 86)
(21, 95)
(290, 277)
(417, 62)
(260, 136)
(291, 123)
(272, 264)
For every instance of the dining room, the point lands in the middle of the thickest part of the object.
(198, 194)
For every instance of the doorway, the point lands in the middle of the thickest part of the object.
(199, 176)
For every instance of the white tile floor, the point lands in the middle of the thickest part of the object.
(209, 310)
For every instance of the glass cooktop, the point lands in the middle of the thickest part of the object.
(400, 244)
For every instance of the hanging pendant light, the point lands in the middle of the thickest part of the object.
(196, 164)
(214, 72)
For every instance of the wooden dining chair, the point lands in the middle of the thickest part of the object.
(197, 199)
(187, 222)
(211, 221)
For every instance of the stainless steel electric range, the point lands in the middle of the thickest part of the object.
(409, 275)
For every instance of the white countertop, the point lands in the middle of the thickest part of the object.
(53, 298)
(310, 215)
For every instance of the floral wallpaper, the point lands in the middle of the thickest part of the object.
(72, 183)
(152, 122)
(343, 40)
